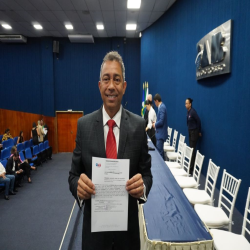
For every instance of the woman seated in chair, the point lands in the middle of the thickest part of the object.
(20, 138)
(24, 165)
(7, 135)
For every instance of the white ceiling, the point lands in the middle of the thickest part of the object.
(82, 14)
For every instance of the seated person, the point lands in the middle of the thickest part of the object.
(20, 138)
(9, 181)
(7, 135)
(12, 168)
(24, 165)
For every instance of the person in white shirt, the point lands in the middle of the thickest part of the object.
(151, 119)
(8, 180)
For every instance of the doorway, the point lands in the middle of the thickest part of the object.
(67, 129)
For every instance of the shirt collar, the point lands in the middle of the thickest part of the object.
(116, 118)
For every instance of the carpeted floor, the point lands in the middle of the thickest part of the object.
(37, 216)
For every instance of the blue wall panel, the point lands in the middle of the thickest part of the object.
(168, 52)
(77, 73)
(20, 77)
(40, 83)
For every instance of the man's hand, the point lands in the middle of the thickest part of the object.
(135, 186)
(85, 187)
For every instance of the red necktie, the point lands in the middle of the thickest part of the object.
(111, 142)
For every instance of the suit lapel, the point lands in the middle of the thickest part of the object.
(123, 134)
(100, 134)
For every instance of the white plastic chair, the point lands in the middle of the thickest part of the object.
(206, 196)
(172, 156)
(172, 148)
(216, 217)
(192, 181)
(184, 171)
(224, 240)
(178, 163)
(167, 142)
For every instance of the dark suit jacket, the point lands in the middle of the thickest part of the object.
(133, 146)
(161, 125)
(9, 166)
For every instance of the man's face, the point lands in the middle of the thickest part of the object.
(111, 86)
(156, 103)
(15, 158)
(187, 104)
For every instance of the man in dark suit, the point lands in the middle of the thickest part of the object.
(161, 125)
(131, 143)
(12, 168)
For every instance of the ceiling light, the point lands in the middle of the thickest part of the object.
(38, 26)
(134, 4)
(7, 26)
(100, 26)
(140, 34)
(131, 27)
(69, 26)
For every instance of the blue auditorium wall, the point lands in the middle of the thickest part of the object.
(38, 82)
(168, 52)
(77, 73)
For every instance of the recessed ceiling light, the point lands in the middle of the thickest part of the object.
(38, 26)
(69, 26)
(7, 26)
(100, 26)
(131, 27)
(134, 4)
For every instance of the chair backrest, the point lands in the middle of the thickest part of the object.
(27, 144)
(169, 135)
(175, 138)
(198, 166)
(36, 150)
(246, 221)
(211, 179)
(46, 144)
(180, 151)
(182, 138)
(6, 143)
(40, 146)
(228, 193)
(5, 153)
(4, 163)
(28, 154)
(187, 158)
(21, 155)
(15, 140)
(20, 147)
(31, 142)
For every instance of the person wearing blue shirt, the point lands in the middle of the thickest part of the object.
(161, 125)
(194, 129)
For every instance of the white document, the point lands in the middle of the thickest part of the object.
(109, 206)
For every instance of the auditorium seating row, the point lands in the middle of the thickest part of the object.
(34, 154)
(213, 217)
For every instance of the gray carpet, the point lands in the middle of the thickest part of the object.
(37, 216)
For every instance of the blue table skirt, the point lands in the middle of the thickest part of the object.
(168, 214)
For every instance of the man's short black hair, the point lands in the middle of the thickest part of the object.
(157, 97)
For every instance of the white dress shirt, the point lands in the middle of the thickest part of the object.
(151, 117)
(2, 169)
